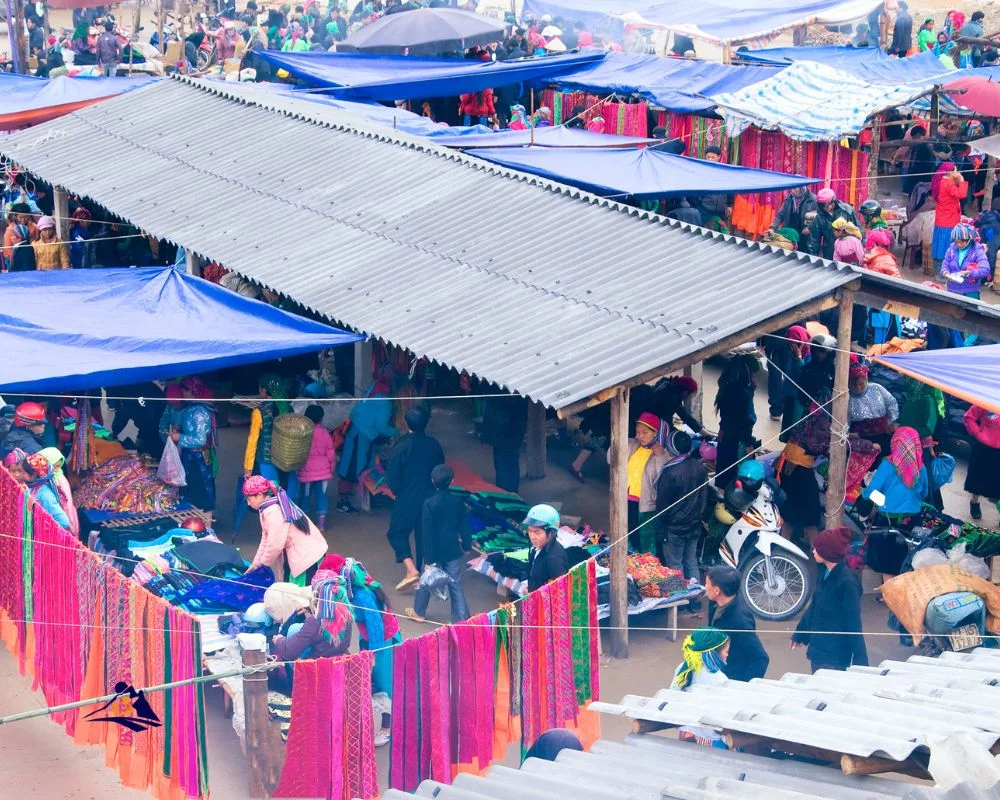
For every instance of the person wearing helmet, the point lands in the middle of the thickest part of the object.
(817, 374)
(27, 431)
(871, 213)
(409, 476)
(547, 559)
(829, 210)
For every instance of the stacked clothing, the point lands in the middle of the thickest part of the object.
(495, 518)
(513, 564)
(951, 531)
(124, 485)
(652, 578)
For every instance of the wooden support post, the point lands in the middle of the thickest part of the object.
(136, 23)
(619, 523)
(536, 453)
(991, 179)
(858, 765)
(265, 757)
(837, 476)
(695, 402)
(362, 367)
(18, 39)
(61, 209)
(873, 159)
(159, 28)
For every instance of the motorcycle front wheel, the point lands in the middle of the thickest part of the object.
(777, 590)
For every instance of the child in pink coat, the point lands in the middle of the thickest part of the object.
(316, 473)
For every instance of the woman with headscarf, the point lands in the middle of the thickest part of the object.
(518, 118)
(543, 118)
(949, 189)
(847, 247)
(734, 405)
(295, 41)
(983, 476)
(878, 257)
(924, 407)
(704, 651)
(902, 479)
(872, 411)
(646, 457)
(34, 472)
(287, 534)
(195, 438)
(965, 266)
(65, 493)
(595, 125)
(81, 248)
(370, 419)
(793, 400)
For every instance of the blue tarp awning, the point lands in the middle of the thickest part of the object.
(970, 373)
(26, 100)
(552, 136)
(638, 173)
(868, 63)
(387, 78)
(675, 84)
(81, 329)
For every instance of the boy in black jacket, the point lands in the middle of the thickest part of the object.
(835, 607)
(747, 658)
(446, 538)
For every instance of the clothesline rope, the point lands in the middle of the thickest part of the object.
(255, 399)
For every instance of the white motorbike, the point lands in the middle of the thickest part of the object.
(776, 575)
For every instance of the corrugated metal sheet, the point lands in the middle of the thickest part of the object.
(893, 711)
(542, 289)
(651, 767)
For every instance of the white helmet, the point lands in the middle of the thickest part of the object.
(824, 340)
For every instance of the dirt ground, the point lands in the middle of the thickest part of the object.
(39, 757)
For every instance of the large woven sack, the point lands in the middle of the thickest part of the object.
(291, 438)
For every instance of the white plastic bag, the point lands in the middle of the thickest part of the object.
(435, 579)
(977, 566)
(171, 470)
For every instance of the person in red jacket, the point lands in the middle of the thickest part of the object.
(948, 188)
(983, 477)
(477, 104)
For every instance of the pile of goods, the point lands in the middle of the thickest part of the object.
(652, 578)
(123, 484)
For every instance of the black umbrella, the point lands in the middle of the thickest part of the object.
(424, 31)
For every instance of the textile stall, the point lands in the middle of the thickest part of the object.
(57, 601)
(465, 692)
(623, 119)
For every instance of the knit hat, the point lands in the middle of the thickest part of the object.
(45, 223)
(832, 544)
(825, 195)
(880, 237)
(963, 232)
(281, 600)
(685, 383)
(678, 443)
(650, 420)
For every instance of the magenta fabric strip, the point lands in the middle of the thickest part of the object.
(397, 756)
(485, 690)
(426, 705)
(411, 710)
(332, 680)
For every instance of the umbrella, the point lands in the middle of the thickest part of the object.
(424, 31)
(981, 95)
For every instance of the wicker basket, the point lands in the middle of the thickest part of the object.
(291, 438)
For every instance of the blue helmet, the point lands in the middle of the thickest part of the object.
(750, 471)
(542, 516)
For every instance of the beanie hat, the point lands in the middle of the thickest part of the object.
(650, 420)
(825, 196)
(832, 544)
(678, 443)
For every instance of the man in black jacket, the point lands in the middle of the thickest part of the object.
(799, 203)
(681, 495)
(747, 658)
(547, 559)
(831, 627)
(409, 477)
(505, 421)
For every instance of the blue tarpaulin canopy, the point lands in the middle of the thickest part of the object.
(638, 173)
(552, 136)
(405, 78)
(868, 63)
(79, 329)
(26, 100)
(971, 373)
(672, 83)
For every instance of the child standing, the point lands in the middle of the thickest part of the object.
(316, 474)
(446, 538)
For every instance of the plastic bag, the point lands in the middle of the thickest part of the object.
(942, 470)
(977, 566)
(929, 557)
(435, 579)
(171, 470)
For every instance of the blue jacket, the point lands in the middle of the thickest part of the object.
(898, 498)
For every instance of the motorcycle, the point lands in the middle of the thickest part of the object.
(776, 576)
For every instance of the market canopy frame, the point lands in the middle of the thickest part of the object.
(81, 329)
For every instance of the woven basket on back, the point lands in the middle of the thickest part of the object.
(291, 438)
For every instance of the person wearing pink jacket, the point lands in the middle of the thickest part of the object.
(316, 474)
(286, 531)
(983, 476)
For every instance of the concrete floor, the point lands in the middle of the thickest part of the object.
(39, 759)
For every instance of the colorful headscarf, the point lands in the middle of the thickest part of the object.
(906, 455)
(55, 458)
(879, 237)
(21, 232)
(276, 388)
(518, 118)
(944, 169)
(333, 610)
(81, 213)
(848, 227)
(700, 651)
(197, 387)
(964, 231)
(15, 456)
(596, 125)
(800, 340)
(857, 370)
(257, 484)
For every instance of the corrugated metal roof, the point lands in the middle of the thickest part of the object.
(894, 711)
(540, 288)
(651, 767)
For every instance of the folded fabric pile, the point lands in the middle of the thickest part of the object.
(495, 518)
(513, 564)
(279, 708)
(123, 485)
(951, 531)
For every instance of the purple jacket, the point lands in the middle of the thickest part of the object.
(976, 265)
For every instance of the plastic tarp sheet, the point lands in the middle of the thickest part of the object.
(369, 77)
(970, 373)
(675, 84)
(86, 328)
(638, 173)
(809, 101)
(715, 20)
(553, 136)
(26, 100)
(868, 63)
